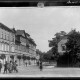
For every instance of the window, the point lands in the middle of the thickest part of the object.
(63, 47)
(2, 35)
(4, 47)
(8, 37)
(13, 38)
(5, 36)
(12, 48)
(8, 47)
(0, 45)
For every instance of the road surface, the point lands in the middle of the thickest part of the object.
(48, 71)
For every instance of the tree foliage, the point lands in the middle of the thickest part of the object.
(19, 57)
(3, 56)
(12, 56)
(73, 45)
(27, 57)
(24, 57)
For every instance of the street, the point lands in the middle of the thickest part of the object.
(48, 71)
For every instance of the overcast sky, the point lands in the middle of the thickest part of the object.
(41, 23)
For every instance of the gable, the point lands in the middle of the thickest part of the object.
(23, 35)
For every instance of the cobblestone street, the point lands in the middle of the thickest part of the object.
(48, 71)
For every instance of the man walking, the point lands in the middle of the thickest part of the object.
(26, 63)
(0, 66)
(5, 67)
(15, 66)
(41, 67)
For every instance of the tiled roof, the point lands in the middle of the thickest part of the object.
(5, 27)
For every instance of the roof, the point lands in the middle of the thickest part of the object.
(63, 37)
(32, 41)
(5, 27)
(66, 36)
(27, 34)
(19, 32)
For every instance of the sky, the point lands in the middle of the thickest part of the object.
(41, 23)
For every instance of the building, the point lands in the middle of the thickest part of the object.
(14, 43)
(62, 42)
(7, 42)
(61, 45)
(32, 47)
(24, 44)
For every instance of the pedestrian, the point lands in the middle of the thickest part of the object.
(41, 67)
(5, 67)
(26, 63)
(15, 66)
(38, 63)
(29, 63)
(10, 67)
(0, 66)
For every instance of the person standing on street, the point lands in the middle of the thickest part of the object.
(5, 67)
(26, 63)
(15, 66)
(0, 66)
(41, 67)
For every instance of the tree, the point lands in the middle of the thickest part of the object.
(54, 43)
(3, 56)
(24, 58)
(38, 52)
(73, 45)
(28, 58)
(19, 57)
(12, 57)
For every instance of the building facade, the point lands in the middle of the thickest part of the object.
(62, 46)
(7, 42)
(24, 44)
(15, 43)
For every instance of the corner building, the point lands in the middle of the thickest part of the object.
(7, 42)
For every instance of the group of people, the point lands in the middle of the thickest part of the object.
(9, 67)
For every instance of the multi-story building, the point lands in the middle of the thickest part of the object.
(7, 42)
(32, 48)
(15, 42)
(24, 44)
